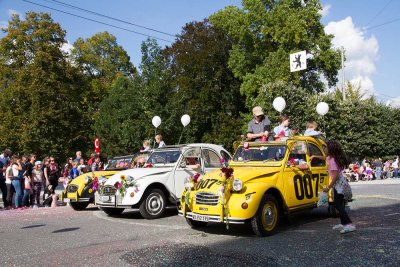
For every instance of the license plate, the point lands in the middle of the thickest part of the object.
(201, 218)
(67, 200)
(107, 198)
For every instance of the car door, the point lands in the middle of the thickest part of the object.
(297, 181)
(184, 168)
(318, 168)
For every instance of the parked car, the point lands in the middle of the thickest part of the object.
(263, 182)
(161, 182)
(79, 191)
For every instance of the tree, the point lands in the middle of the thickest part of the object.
(205, 88)
(120, 119)
(265, 32)
(39, 100)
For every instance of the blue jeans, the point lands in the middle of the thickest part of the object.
(25, 198)
(378, 171)
(395, 172)
(18, 192)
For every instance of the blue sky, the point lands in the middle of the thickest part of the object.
(371, 50)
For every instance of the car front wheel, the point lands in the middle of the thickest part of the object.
(266, 220)
(112, 211)
(153, 204)
(79, 205)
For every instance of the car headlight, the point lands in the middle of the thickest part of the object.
(237, 185)
(88, 179)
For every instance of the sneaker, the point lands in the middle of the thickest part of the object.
(35, 207)
(348, 228)
(337, 227)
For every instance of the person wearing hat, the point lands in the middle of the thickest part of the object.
(259, 126)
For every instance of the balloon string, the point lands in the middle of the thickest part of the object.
(179, 142)
(155, 132)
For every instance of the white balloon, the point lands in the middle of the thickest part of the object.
(156, 121)
(279, 104)
(185, 119)
(322, 108)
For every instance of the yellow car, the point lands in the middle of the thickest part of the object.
(79, 191)
(263, 182)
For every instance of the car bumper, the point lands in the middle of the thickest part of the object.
(214, 218)
(72, 197)
(109, 202)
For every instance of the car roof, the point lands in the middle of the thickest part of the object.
(293, 138)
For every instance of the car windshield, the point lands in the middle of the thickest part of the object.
(119, 163)
(164, 157)
(260, 153)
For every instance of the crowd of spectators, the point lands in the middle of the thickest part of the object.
(377, 169)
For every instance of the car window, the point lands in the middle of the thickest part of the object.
(211, 159)
(226, 156)
(164, 157)
(298, 152)
(315, 151)
(260, 153)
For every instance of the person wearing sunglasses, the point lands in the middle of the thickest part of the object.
(51, 173)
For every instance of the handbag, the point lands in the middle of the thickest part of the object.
(346, 188)
(323, 200)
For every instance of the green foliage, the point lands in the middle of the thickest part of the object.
(40, 91)
(266, 32)
(119, 120)
(205, 88)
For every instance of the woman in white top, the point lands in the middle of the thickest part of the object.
(37, 178)
(10, 187)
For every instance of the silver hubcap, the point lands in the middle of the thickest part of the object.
(269, 215)
(155, 204)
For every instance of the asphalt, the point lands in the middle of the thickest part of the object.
(63, 237)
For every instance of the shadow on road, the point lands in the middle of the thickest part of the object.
(33, 226)
(66, 230)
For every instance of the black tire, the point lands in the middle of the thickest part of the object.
(112, 211)
(153, 204)
(79, 205)
(266, 220)
(195, 224)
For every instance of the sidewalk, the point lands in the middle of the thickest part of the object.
(375, 182)
(59, 189)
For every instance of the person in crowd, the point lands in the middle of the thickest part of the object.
(74, 170)
(91, 159)
(395, 166)
(378, 168)
(369, 174)
(159, 140)
(258, 128)
(337, 162)
(22, 172)
(67, 168)
(46, 162)
(51, 173)
(4, 161)
(27, 199)
(96, 164)
(27, 190)
(16, 180)
(282, 131)
(82, 168)
(146, 146)
(10, 187)
(312, 129)
(78, 156)
(386, 169)
(37, 178)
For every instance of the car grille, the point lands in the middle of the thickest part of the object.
(204, 198)
(72, 188)
(107, 191)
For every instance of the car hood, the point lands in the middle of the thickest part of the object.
(245, 173)
(138, 174)
(80, 180)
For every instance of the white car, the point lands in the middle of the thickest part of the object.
(161, 182)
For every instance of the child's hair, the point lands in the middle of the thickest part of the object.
(336, 152)
(159, 136)
(75, 164)
(146, 143)
(282, 118)
(312, 124)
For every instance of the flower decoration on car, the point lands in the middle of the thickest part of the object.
(226, 187)
(190, 182)
(98, 182)
(127, 181)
